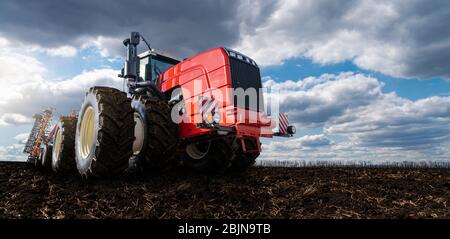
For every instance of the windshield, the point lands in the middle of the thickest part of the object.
(159, 66)
(151, 67)
(143, 68)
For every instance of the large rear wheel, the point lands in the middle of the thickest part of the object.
(104, 133)
(63, 155)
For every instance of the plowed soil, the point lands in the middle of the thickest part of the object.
(260, 193)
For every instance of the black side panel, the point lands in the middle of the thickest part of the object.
(245, 76)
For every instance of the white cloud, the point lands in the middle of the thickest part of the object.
(20, 47)
(398, 38)
(397, 122)
(305, 142)
(63, 95)
(17, 67)
(3, 42)
(373, 125)
(12, 152)
(314, 140)
(316, 100)
(347, 152)
(405, 38)
(14, 119)
(24, 90)
(109, 47)
(63, 51)
(22, 138)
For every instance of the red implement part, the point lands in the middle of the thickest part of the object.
(46, 118)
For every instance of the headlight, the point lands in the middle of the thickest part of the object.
(209, 118)
(212, 118)
(216, 118)
(291, 129)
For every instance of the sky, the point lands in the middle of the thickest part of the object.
(360, 80)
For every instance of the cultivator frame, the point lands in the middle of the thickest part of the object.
(38, 134)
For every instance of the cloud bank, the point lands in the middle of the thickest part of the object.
(400, 38)
(25, 91)
(367, 121)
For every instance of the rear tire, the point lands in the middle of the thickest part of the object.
(104, 133)
(156, 135)
(63, 155)
(47, 157)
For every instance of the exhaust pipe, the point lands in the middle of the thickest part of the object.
(130, 70)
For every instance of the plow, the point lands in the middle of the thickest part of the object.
(205, 112)
(45, 142)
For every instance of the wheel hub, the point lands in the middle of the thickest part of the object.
(198, 150)
(57, 144)
(138, 142)
(87, 132)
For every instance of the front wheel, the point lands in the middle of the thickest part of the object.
(244, 161)
(213, 156)
(104, 133)
(156, 134)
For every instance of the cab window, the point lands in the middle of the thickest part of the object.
(144, 68)
(150, 67)
(160, 65)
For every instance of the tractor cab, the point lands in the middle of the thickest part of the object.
(153, 63)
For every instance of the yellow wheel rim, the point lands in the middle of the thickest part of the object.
(139, 129)
(57, 144)
(87, 132)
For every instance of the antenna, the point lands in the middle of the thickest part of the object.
(146, 43)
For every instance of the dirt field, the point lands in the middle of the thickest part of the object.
(260, 193)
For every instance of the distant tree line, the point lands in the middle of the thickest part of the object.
(353, 164)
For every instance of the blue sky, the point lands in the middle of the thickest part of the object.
(85, 60)
(359, 79)
(300, 68)
(293, 69)
(413, 88)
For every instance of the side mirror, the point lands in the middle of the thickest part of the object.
(121, 73)
(135, 38)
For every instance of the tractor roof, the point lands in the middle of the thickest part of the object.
(155, 52)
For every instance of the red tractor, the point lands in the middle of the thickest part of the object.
(176, 112)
